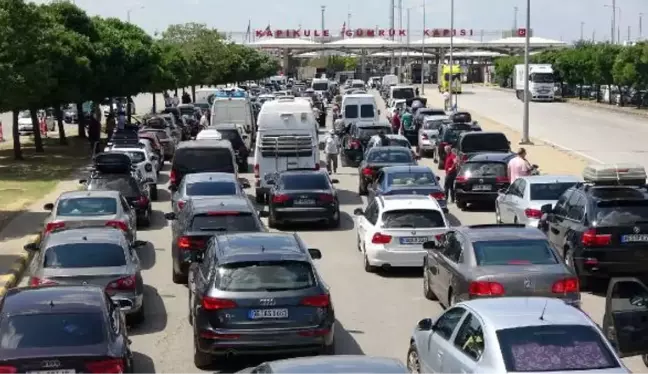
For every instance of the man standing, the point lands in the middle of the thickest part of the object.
(332, 150)
(446, 100)
(450, 168)
(406, 121)
(396, 121)
(175, 101)
(519, 166)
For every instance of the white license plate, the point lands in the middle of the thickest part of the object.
(268, 313)
(71, 371)
(482, 187)
(633, 238)
(414, 240)
(304, 202)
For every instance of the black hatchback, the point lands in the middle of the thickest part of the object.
(479, 178)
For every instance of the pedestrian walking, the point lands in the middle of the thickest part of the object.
(175, 101)
(110, 125)
(450, 168)
(396, 121)
(519, 166)
(446, 100)
(332, 151)
(121, 120)
(417, 91)
(407, 121)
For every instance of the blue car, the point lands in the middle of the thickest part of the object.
(407, 180)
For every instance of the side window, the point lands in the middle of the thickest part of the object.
(576, 205)
(519, 191)
(470, 337)
(208, 257)
(514, 188)
(447, 323)
(562, 201)
(453, 247)
(372, 215)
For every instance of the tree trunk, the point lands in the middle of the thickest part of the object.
(16, 136)
(61, 125)
(193, 93)
(176, 92)
(154, 105)
(38, 139)
(82, 120)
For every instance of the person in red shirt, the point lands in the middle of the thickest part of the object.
(450, 168)
(396, 122)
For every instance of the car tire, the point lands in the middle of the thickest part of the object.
(272, 222)
(202, 360)
(498, 215)
(154, 192)
(243, 167)
(138, 317)
(427, 290)
(460, 204)
(367, 266)
(412, 361)
(334, 222)
(178, 278)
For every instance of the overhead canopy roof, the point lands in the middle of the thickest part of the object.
(325, 54)
(444, 42)
(359, 43)
(402, 54)
(285, 43)
(519, 42)
(475, 54)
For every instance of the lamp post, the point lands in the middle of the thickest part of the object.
(527, 96)
(452, 100)
(129, 11)
(423, 54)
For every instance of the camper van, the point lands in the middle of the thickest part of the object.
(359, 108)
(233, 107)
(286, 140)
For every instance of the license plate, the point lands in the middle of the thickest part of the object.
(414, 240)
(304, 202)
(482, 187)
(633, 238)
(268, 313)
(71, 371)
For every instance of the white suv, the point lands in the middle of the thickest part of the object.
(145, 163)
(391, 230)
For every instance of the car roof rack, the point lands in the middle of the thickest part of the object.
(622, 174)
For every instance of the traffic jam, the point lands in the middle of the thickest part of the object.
(264, 166)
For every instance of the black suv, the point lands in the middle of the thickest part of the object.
(231, 132)
(471, 143)
(199, 156)
(449, 135)
(601, 230)
(114, 172)
(481, 177)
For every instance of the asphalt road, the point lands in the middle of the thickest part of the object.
(376, 312)
(601, 135)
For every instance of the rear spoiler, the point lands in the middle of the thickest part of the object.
(408, 102)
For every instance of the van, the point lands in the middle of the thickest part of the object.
(287, 139)
(321, 86)
(389, 80)
(200, 156)
(233, 110)
(359, 108)
(402, 92)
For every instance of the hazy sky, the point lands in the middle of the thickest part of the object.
(555, 19)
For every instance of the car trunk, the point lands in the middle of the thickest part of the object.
(523, 280)
(411, 238)
(483, 177)
(87, 221)
(66, 359)
(97, 276)
(305, 199)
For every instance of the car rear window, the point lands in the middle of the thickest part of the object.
(378, 155)
(135, 156)
(621, 212)
(211, 188)
(351, 111)
(480, 142)
(84, 255)
(548, 191)
(214, 159)
(87, 206)
(554, 348)
(514, 252)
(412, 218)
(233, 136)
(49, 330)
(305, 182)
(367, 111)
(232, 222)
(484, 169)
(189, 111)
(400, 143)
(265, 276)
(452, 135)
(402, 93)
(127, 186)
(369, 131)
(320, 86)
(411, 179)
(434, 124)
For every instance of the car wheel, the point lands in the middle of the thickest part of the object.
(329, 349)
(138, 317)
(461, 204)
(427, 290)
(272, 221)
(367, 266)
(178, 278)
(154, 192)
(202, 360)
(413, 363)
(189, 314)
(334, 222)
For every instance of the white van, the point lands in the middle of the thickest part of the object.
(359, 108)
(233, 110)
(286, 139)
(400, 92)
(320, 85)
(389, 80)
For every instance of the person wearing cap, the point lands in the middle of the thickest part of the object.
(332, 150)
(519, 166)
(450, 168)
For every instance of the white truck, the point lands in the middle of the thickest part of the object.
(541, 82)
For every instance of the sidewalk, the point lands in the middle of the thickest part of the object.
(550, 159)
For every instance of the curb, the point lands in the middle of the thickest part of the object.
(18, 268)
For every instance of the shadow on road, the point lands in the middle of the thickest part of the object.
(347, 197)
(163, 195)
(143, 363)
(401, 273)
(453, 220)
(147, 256)
(155, 314)
(347, 223)
(345, 343)
(158, 221)
(23, 224)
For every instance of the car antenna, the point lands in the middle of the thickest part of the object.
(544, 309)
(51, 304)
(262, 248)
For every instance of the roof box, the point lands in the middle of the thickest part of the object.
(461, 117)
(112, 163)
(626, 174)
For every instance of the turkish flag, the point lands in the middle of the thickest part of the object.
(521, 32)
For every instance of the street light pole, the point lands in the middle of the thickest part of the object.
(527, 95)
(323, 24)
(423, 54)
(582, 28)
(391, 26)
(452, 100)
(640, 25)
(400, 38)
(129, 11)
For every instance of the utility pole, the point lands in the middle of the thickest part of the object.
(408, 33)
(629, 29)
(400, 39)
(349, 20)
(323, 24)
(640, 25)
(594, 36)
(423, 54)
(391, 26)
(515, 20)
(613, 19)
(582, 29)
(527, 94)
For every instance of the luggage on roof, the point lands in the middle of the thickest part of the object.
(626, 174)
(461, 117)
(112, 163)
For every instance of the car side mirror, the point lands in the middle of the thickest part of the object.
(546, 209)
(264, 214)
(31, 247)
(48, 206)
(173, 188)
(358, 212)
(83, 181)
(335, 181)
(140, 243)
(425, 324)
(245, 183)
(430, 245)
(315, 254)
(170, 216)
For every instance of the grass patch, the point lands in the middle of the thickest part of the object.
(24, 182)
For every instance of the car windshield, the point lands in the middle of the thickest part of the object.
(84, 255)
(87, 206)
(52, 330)
(380, 155)
(367, 132)
(412, 218)
(621, 212)
(214, 159)
(411, 179)
(399, 142)
(403, 93)
(514, 252)
(227, 221)
(135, 156)
(555, 348)
(304, 182)
(548, 191)
(211, 188)
(484, 169)
(434, 124)
(256, 276)
(127, 186)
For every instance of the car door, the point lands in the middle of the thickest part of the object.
(198, 276)
(516, 203)
(504, 202)
(367, 222)
(573, 222)
(176, 196)
(555, 220)
(447, 260)
(565, 221)
(440, 340)
(468, 347)
(625, 322)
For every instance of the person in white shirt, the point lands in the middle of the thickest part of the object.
(176, 100)
(446, 100)
(332, 150)
(204, 122)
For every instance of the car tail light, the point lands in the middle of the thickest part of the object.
(592, 239)
(212, 303)
(320, 301)
(502, 180)
(256, 171)
(123, 284)
(106, 366)
(280, 199)
(172, 177)
(181, 204)
(53, 226)
(566, 285)
(461, 179)
(424, 136)
(379, 238)
(7, 369)
(223, 213)
(118, 225)
(485, 289)
(355, 144)
(438, 195)
(35, 282)
(187, 242)
(367, 172)
(533, 213)
(326, 198)
(143, 201)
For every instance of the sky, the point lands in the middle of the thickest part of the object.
(553, 19)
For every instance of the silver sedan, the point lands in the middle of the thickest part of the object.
(521, 202)
(205, 185)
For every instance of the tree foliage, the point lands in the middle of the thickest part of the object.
(55, 54)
